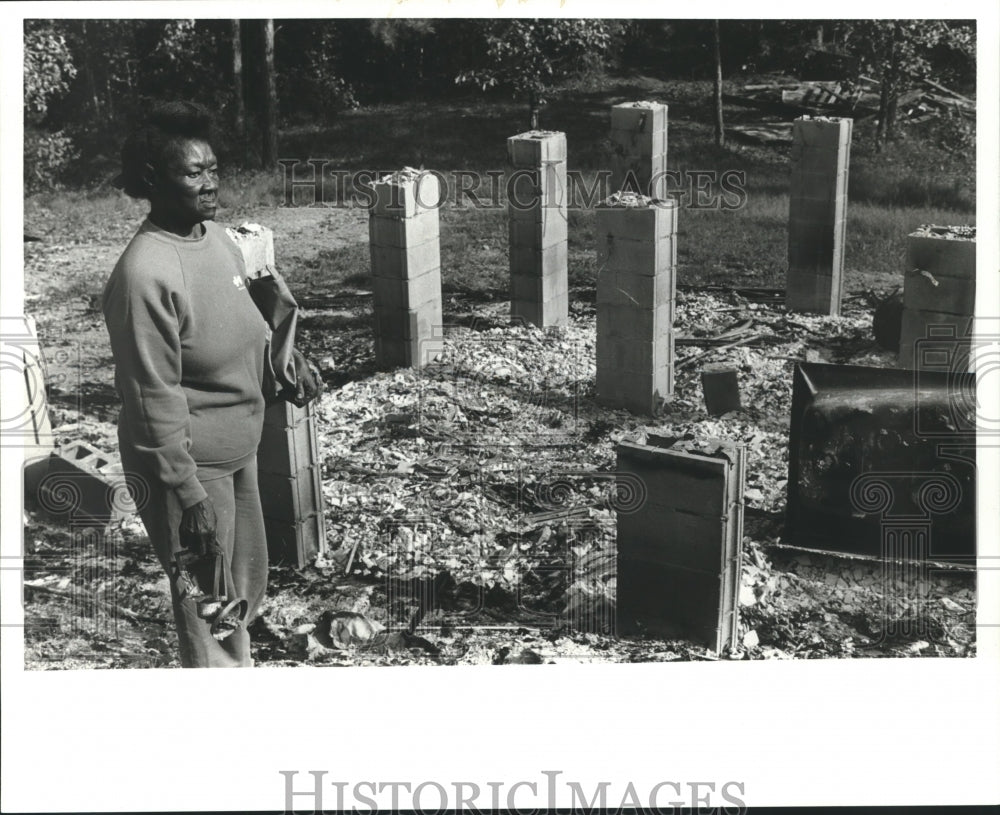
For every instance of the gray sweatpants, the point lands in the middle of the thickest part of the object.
(241, 535)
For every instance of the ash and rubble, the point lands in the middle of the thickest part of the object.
(485, 483)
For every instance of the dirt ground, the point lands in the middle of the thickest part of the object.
(423, 475)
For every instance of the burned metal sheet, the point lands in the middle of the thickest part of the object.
(883, 462)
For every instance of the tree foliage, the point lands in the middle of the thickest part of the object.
(86, 81)
(898, 53)
(529, 56)
(48, 70)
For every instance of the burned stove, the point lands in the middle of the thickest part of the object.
(883, 462)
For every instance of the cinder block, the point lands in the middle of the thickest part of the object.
(407, 293)
(919, 347)
(256, 243)
(535, 288)
(941, 256)
(642, 291)
(406, 193)
(635, 323)
(413, 261)
(295, 543)
(399, 232)
(550, 260)
(531, 189)
(407, 353)
(634, 143)
(638, 394)
(950, 295)
(649, 257)
(544, 313)
(637, 174)
(540, 229)
(658, 219)
(635, 357)
(639, 117)
(409, 324)
(535, 147)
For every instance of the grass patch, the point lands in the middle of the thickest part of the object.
(916, 181)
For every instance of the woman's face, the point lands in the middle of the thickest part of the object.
(186, 185)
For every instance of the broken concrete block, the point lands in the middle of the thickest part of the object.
(86, 486)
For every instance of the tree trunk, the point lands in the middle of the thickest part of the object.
(720, 133)
(894, 83)
(88, 74)
(819, 35)
(239, 108)
(269, 123)
(533, 108)
(883, 112)
(886, 93)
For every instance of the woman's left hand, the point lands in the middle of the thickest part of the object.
(308, 382)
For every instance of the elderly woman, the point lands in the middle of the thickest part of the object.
(190, 354)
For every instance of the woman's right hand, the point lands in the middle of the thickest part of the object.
(198, 529)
